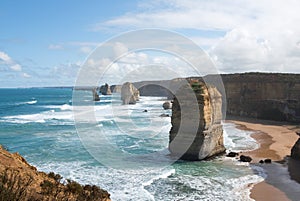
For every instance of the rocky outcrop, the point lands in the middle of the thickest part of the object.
(95, 95)
(105, 89)
(167, 105)
(295, 152)
(21, 181)
(244, 158)
(196, 131)
(129, 94)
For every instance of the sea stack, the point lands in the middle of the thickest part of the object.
(95, 95)
(129, 94)
(105, 89)
(196, 136)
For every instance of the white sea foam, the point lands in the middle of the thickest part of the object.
(39, 117)
(163, 175)
(61, 107)
(31, 102)
(238, 140)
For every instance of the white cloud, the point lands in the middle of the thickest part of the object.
(261, 35)
(6, 60)
(119, 49)
(86, 49)
(4, 57)
(16, 67)
(55, 47)
(25, 75)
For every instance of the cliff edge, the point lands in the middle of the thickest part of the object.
(21, 181)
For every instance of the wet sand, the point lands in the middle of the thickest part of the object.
(276, 140)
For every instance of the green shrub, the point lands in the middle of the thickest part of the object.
(13, 187)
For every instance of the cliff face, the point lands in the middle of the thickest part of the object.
(263, 95)
(271, 96)
(196, 131)
(21, 181)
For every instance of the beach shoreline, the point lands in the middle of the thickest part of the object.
(276, 140)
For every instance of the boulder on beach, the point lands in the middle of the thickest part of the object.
(129, 94)
(244, 158)
(232, 154)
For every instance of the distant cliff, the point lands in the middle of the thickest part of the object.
(196, 131)
(263, 95)
(274, 96)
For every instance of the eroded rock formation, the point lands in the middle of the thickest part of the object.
(196, 131)
(105, 89)
(21, 181)
(95, 95)
(129, 94)
(167, 105)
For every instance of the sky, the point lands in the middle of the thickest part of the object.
(45, 43)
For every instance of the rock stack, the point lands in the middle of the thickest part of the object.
(129, 94)
(105, 89)
(196, 131)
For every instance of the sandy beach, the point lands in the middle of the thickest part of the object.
(276, 140)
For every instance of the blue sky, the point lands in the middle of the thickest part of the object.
(43, 43)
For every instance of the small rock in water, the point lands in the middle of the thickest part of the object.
(167, 105)
(164, 115)
(245, 158)
(261, 161)
(232, 154)
(145, 111)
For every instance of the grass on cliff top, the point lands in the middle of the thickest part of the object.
(197, 86)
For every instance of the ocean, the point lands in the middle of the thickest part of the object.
(39, 124)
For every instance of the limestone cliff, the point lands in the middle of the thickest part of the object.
(21, 181)
(129, 94)
(263, 95)
(274, 96)
(196, 131)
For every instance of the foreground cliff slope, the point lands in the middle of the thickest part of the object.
(21, 181)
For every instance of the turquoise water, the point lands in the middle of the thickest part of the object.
(39, 124)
